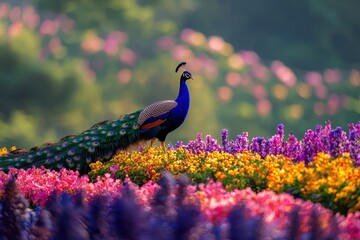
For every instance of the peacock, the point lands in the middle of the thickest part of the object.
(104, 139)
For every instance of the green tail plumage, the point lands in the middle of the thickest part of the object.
(76, 152)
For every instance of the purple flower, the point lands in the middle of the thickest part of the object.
(276, 141)
(280, 130)
(225, 139)
(211, 144)
(114, 168)
(197, 145)
(241, 143)
(353, 143)
(260, 145)
(308, 147)
(337, 141)
(292, 148)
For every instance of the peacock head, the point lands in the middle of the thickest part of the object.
(186, 75)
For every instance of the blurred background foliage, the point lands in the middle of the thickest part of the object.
(65, 65)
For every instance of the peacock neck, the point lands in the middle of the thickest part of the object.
(184, 95)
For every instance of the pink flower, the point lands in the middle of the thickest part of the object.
(114, 168)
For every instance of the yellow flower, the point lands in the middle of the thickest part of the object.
(3, 151)
(96, 166)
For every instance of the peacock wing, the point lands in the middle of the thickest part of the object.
(155, 114)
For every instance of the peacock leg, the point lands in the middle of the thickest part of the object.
(152, 142)
(163, 146)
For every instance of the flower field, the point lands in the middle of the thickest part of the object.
(266, 188)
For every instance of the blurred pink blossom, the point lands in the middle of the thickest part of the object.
(313, 78)
(92, 43)
(15, 14)
(128, 56)
(225, 94)
(4, 10)
(193, 37)
(259, 92)
(67, 24)
(332, 75)
(250, 57)
(111, 46)
(186, 34)
(333, 104)
(180, 52)
(216, 44)
(259, 71)
(113, 41)
(166, 42)
(210, 68)
(49, 27)
(120, 36)
(284, 73)
(264, 107)
(321, 92)
(319, 108)
(124, 76)
(54, 45)
(30, 17)
(195, 64)
(15, 29)
(233, 79)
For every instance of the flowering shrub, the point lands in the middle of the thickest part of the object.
(321, 140)
(37, 185)
(172, 204)
(334, 182)
(254, 183)
(320, 167)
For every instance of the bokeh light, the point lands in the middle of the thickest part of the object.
(92, 43)
(128, 56)
(233, 79)
(259, 91)
(264, 107)
(355, 78)
(236, 62)
(124, 76)
(15, 29)
(280, 92)
(313, 78)
(284, 73)
(321, 92)
(225, 93)
(295, 111)
(303, 90)
(319, 108)
(180, 52)
(166, 42)
(332, 76)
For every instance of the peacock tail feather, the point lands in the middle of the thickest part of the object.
(76, 152)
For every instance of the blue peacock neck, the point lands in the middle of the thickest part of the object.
(183, 98)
